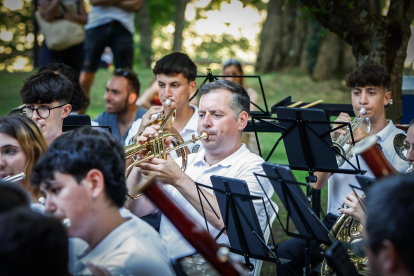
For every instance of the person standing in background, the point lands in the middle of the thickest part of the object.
(110, 23)
(52, 10)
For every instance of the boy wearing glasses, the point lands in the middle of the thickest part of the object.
(122, 91)
(46, 96)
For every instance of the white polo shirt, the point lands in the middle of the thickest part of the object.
(133, 248)
(239, 165)
(186, 133)
(338, 184)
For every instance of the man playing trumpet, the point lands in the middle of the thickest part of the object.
(370, 90)
(223, 114)
(176, 74)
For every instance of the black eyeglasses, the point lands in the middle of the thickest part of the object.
(43, 111)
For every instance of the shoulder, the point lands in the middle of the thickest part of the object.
(140, 112)
(102, 118)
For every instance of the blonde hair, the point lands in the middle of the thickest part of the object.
(30, 139)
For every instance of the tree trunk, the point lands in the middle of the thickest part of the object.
(299, 39)
(374, 38)
(270, 37)
(329, 57)
(143, 23)
(289, 16)
(180, 6)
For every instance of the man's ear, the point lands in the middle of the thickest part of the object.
(389, 257)
(132, 98)
(95, 182)
(387, 98)
(66, 110)
(242, 120)
(193, 86)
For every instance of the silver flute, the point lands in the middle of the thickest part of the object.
(14, 178)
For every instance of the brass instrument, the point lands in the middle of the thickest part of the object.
(14, 178)
(347, 229)
(156, 148)
(402, 147)
(339, 143)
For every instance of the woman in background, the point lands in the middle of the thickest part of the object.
(232, 68)
(21, 145)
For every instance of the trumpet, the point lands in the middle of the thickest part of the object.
(14, 178)
(156, 148)
(339, 143)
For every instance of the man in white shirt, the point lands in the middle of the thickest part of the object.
(176, 74)
(82, 178)
(223, 114)
(370, 90)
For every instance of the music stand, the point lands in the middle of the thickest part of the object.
(211, 78)
(240, 219)
(297, 205)
(365, 182)
(74, 121)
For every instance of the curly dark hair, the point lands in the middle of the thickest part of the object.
(79, 99)
(81, 150)
(176, 63)
(369, 74)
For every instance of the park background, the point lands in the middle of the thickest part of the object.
(295, 46)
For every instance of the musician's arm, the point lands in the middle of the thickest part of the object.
(169, 172)
(141, 206)
(186, 186)
(130, 5)
(322, 178)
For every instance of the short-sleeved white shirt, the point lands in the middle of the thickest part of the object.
(133, 248)
(338, 184)
(239, 165)
(186, 133)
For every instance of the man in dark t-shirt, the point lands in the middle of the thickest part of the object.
(122, 91)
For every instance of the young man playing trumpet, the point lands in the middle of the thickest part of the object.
(176, 74)
(223, 114)
(82, 178)
(370, 90)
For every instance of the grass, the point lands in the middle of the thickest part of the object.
(277, 86)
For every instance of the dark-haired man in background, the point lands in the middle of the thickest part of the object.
(82, 177)
(389, 231)
(122, 90)
(370, 85)
(46, 96)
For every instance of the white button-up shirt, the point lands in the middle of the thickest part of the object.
(186, 133)
(239, 165)
(338, 184)
(133, 248)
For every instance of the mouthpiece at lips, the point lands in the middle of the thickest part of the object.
(66, 222)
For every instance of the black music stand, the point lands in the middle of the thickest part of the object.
(211, 78)
(297, 205)
(240, 219)
(338, 260)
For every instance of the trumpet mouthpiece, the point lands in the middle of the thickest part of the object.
(167, 102)
(362, 111)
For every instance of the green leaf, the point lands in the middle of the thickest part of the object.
(351, 5)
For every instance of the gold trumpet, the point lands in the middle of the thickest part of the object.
(156, 148)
